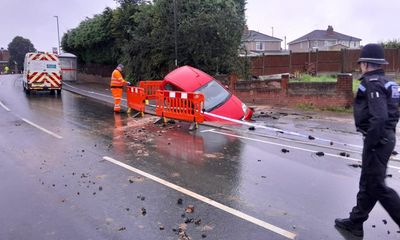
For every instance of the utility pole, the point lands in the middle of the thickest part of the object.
(58, 35)
(176, 38)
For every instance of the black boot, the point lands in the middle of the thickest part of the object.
(354, 228)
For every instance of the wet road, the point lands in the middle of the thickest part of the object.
(60, 179)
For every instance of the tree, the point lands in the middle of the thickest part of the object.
(395, 43)
(92, 40)
(141, 34)
(17, 48)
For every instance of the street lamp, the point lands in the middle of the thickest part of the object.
(58, 35)
(175, 33)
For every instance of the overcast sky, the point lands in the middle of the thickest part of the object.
(372, 21)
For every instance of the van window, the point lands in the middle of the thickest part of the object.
(40, 66)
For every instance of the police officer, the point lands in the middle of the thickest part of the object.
(376, 115)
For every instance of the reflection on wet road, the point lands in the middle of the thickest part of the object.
(242, 184)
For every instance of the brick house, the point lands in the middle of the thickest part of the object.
(256, 43)
(327, 40)
(4, 57)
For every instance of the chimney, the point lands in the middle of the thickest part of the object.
(330, 29)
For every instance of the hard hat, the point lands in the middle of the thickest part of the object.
(120, 65)
(372, 53)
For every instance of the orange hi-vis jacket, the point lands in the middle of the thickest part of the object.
(117, 80)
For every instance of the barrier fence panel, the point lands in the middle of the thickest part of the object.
(184, 106)
(150, 88)
(136, 98)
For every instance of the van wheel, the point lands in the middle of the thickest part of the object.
(27, 91)
(58, 91)
(52, 92)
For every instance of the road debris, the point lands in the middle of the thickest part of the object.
(143, 211)
(311, 137)
(252, 128)
(197, 221)
(384, 221)
(284, 150)
(180, 201)
(189, 208)
(355, 165)
(320, 154)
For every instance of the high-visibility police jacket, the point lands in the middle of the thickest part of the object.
(117, 80)
(376, 106)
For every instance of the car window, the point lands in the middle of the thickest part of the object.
(215, 95)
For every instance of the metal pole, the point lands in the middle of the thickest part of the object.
(175, 33)
(58, 35)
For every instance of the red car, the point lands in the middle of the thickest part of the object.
(218, 100)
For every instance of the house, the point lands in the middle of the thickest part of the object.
(327, 40)
(4, 57)
(256, 43)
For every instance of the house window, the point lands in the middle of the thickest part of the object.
(259, 46)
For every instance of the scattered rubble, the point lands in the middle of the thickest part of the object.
(189, 208)
(355, 165)
(284, 150)
(320, 154)
(143, 211)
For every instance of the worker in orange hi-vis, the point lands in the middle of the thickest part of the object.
(117, 84)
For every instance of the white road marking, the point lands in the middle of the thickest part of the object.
(91, 92)
(41, 128)
(209, 201)
(5, 107)
(276, 129)
(297, 148)
(208, 130)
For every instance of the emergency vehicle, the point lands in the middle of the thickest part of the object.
(42, 71)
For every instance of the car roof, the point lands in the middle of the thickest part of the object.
(188, 78)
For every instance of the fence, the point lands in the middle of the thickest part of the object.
(344, 61)
(184, 106)
(281, 92)
(150, 88)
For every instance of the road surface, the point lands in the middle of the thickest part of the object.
(72, 169)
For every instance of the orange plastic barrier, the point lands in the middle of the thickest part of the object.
(136, 98)
(184, 106)
(150, 88)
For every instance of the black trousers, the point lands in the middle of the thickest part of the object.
(372, 183)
